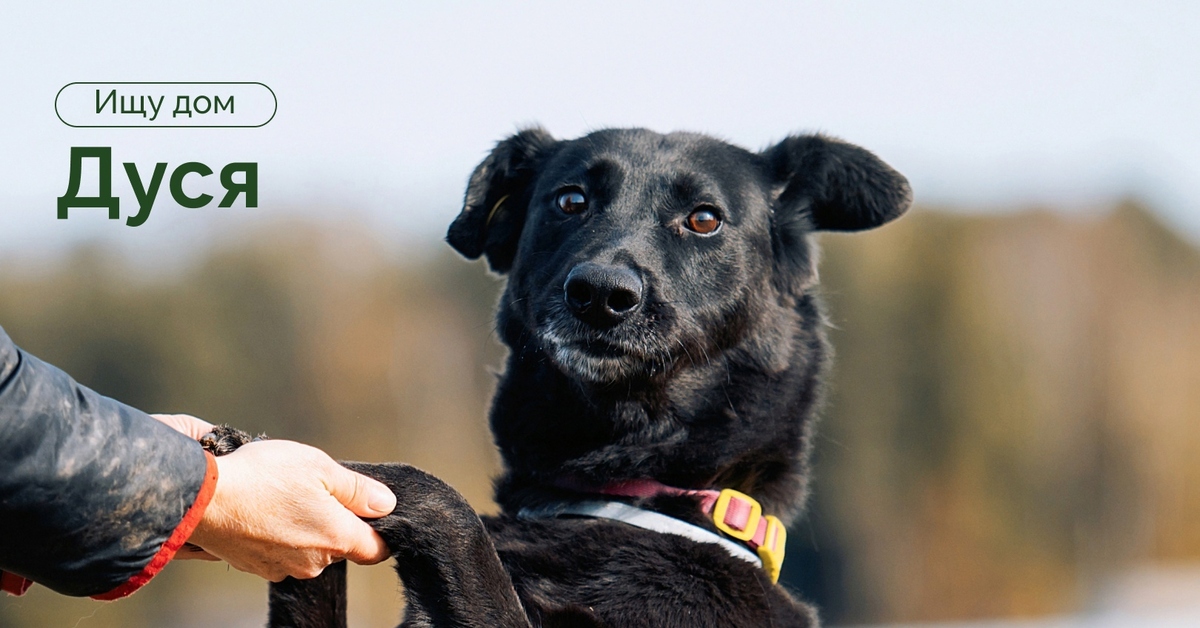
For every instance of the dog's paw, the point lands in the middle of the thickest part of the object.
(224, 439)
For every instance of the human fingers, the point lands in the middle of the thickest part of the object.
(358, 542)
(364, 496)
(361, 496)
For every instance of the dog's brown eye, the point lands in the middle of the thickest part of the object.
(572, 201)
(703, 220)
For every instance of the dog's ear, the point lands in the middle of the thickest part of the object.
(497, 199)
(824, 184)
(835, 185)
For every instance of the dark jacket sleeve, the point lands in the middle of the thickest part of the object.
(95, 496)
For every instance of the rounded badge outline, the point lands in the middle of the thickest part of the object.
(274, 110)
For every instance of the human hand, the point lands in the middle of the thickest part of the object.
(286, 509)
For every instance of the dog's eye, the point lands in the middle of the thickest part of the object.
(572, 201)
(703, 220)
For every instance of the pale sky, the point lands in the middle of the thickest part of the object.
(384, 108)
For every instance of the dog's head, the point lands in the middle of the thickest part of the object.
(631, 252)
(638, 261)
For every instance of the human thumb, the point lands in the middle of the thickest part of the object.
(360, 494)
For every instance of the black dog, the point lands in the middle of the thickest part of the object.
(666, 344)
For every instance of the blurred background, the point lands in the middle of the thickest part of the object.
(1013, 435)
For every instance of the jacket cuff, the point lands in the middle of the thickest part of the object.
(13, 584)
(184, 530)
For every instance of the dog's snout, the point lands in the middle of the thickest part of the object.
(602, 296)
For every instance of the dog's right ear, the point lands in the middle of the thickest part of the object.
(497, 199)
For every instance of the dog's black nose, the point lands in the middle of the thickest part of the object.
(602, 296)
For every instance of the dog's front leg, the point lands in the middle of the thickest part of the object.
(316, 603)
(452, 575)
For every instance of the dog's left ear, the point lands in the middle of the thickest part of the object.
(835, 185)
(497, 199)
(824, 184)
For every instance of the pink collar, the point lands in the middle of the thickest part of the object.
(644, 488)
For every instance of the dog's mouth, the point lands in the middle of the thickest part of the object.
(600, 349)
(636, 348)
(600, 360)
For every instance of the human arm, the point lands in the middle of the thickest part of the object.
(95, 496)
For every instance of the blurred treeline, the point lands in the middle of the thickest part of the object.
(1013, 418)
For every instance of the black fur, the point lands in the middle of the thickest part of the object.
(711, 379)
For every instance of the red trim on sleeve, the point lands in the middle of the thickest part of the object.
(13, 584)
(184, 530)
